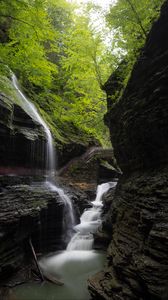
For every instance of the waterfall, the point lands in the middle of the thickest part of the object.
(50, 157)
(32, 111)
(74, 265)
(70, 219)
(79, 261)
(89, 221)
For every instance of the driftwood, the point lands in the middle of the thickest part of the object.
(35, 259)
(43, 275)
(52, 279)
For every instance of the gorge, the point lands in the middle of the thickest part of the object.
(109, 243)
(30, 201)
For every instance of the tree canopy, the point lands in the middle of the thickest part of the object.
(130, 22)
(63, 61)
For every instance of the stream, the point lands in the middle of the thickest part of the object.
(78, 261)
(50, 161)
(74, 265)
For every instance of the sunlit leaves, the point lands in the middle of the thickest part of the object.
(29, 31)
(58, 58)
(83, 62)
(130, 21)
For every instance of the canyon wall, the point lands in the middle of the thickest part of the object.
(137, 256)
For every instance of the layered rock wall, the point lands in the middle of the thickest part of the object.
(21, 140)
(28, 211)
(138, 122)
(137, 256)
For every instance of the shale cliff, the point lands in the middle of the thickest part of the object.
(21, 136)
(27, 211)
(137, 256)
(22, 147)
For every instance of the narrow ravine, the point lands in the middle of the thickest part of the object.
(97, 72)
(74, 265)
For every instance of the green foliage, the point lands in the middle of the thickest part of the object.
(58, 59)
(86, 69)
(25, 52)
(7, 88)
(63, 62)
(130, 22)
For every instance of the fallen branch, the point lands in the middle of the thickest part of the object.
(44, 275)
(35, 259)
(52, 279)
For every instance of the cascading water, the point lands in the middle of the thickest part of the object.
(74, 265)
(50, 157)
(32, 111)
(70, 219)
(90, 221)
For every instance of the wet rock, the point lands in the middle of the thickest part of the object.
(102, 237)
(28, 211)
(21, 137)
(138, 122)
(95, 166)
(137, 254)
(80, 196)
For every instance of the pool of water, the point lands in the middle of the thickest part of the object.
(71, 267)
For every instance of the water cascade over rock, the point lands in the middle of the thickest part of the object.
(50, 159)
(32, 111)
(69, 218)
(77, 263)
(42, 210)
(90, 221)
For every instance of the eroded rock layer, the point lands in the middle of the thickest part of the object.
(138, 122)
(28, 211)
(137, 256)
(138, 253)
(22, 147)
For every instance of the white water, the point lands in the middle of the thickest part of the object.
(90, 221)
(50, 158)
(72, 266)
(32, 111)
(70, 220)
